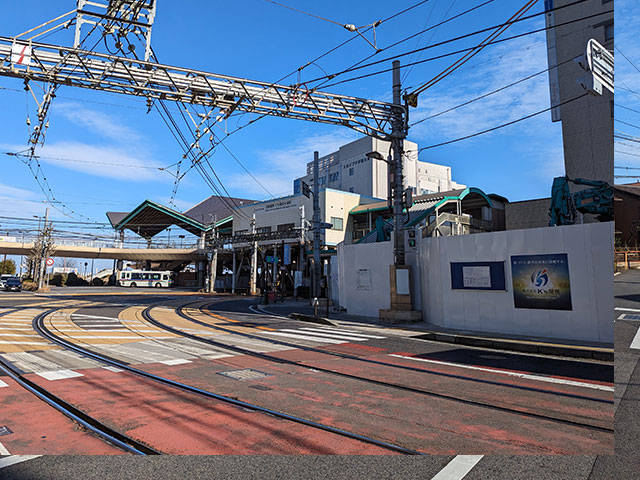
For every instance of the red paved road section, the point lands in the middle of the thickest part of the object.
(176, 422)
(426, 423)
(39, 429)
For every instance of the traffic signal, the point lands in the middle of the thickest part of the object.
(306, 190)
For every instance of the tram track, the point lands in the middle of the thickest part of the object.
(90, 423)
(40, 327)
(264, 356)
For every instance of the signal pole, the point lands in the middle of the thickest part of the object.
(316, 228)
(42, 253)
(254, 257)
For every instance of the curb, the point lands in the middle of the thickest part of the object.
(311, 319)
(603, 354)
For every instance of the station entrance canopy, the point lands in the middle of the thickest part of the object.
(151, 218)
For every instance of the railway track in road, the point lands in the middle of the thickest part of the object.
(90, 423)
(146, 314)
(40, 327)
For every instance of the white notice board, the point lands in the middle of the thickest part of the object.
(476, 277)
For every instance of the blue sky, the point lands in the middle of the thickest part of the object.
(259, 40)
(627, 96)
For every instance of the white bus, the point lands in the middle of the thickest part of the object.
(145, 278)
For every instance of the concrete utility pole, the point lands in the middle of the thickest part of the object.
(316, 228)
(214, 261)
(42, 253)
(254, 257)
(397, 137)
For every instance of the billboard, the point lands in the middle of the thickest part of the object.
(541, 281)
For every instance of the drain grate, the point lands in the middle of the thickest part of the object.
(245, 374)
(264, 388)
(5, 431)
(629, 316)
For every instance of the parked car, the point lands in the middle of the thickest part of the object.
(3, 277)
(13, 283)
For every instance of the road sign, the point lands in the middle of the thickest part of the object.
(50, 262)
(20, 54)
(272, 259)
(306, 191)
(287, 254)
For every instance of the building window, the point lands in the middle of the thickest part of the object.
(337, 223)
(286, 226)
(242, 232)
(608, 32)
(351, 172)
(333, 177)
(263, 229)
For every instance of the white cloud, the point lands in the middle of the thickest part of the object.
(98, 122)
(278, 167)
(20, 202)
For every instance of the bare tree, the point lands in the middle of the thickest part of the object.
(42, 249)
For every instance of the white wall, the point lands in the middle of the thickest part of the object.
(590, 251)
(357, 264)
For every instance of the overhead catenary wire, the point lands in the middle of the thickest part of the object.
(451, 40)
(488, 130)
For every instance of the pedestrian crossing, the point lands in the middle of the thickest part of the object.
(323, 335)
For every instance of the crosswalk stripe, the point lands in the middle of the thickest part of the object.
(636, 341)
(327, 335)
(59, 374)
(345, 332)
(305, 337)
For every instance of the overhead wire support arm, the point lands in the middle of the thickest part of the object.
(111, 73)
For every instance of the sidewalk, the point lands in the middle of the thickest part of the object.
(301, 310)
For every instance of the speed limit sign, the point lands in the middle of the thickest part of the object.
(50, 262)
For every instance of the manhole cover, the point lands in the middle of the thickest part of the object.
(245, 374)
(264, 388)
(629, 316)
(5, 431)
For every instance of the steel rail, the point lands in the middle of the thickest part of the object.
(103, 431)
(38, 325)
(268, 357)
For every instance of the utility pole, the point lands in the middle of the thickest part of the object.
(43, 251)
(213, 266)
(254, 257)
(316, 227)
(397, 137)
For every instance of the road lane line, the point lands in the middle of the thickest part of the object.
(620, 309)
(341, 332)
(343, 336)
(304, 337)
(526, 376)
(3, 450)
(458, 468)
(13, 459)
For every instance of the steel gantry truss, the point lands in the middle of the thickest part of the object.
(59, 65)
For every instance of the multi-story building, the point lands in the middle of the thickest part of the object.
(354, 169)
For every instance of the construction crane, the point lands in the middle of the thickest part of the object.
(597, 200)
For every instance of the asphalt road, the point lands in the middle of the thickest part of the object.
(495, 466)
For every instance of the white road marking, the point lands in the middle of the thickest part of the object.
(620, 309)
(113, 369)
(526, 376)
(73, 315)
(13, 459)
(177, 361)
(2, 384)
(458, 468)
(3, 450)
(624, 316)
(304, 337)
(111, 337)
(3, 342)
(343, 337)
(343, 332)
(17, 335)
(59, 374)
(636, 341)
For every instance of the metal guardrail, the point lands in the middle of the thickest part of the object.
(626, 259)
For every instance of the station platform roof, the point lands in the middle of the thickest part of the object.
(150, 218)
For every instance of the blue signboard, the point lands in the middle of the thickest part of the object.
(541, 281)
(287, 255)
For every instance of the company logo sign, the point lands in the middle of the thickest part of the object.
(540, 278)
(541, 281)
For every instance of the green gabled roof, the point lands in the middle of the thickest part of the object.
(150, 218)
(467, 191)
